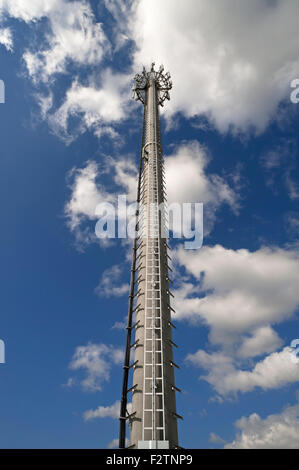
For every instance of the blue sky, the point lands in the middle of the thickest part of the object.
(70, 137)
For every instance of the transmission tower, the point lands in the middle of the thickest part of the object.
(152, 416)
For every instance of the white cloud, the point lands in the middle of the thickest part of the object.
(73, 35)
(276, 431)
(263, 340)
(125, 176)
(238, 291)
(188, 163)
(6, 38)
(121, 11)
(275, 371)
(111, 411)
(96, 360)
(86, 195)
(187, 181)
(88, 191)
(70, 36)
(70, 382)
(115, 442)
(29, 10)
(238, 295)
(215, 439)
(119, 325)
(45, 103)
(109, 284)
(220, 63)
(233, 80)
(98, 106)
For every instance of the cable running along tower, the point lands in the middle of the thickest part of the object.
(149, 346)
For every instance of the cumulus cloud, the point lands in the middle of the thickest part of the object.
(215, 439)
(234, 81)
(125, 176)
(119, 325)
(220, 63)
(263, 340)
(239, 295)
(109, 285)
(96, 360)
(69, 36)
(45, 103)
(97, 105)
(111, 411)
(189, 160)
(237, 291)
(6, 38)
(276, 431)
(73, 34)
(88, 192)
(29, 10)
(187, 180)
(120, 11)
(115, 442)
(275, 371)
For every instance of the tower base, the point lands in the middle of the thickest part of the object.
(153, 445)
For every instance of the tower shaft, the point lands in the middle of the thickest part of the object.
(153, 419)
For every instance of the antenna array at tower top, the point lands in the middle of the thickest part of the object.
(162, 79)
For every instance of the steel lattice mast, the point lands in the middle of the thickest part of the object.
(153, 417)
